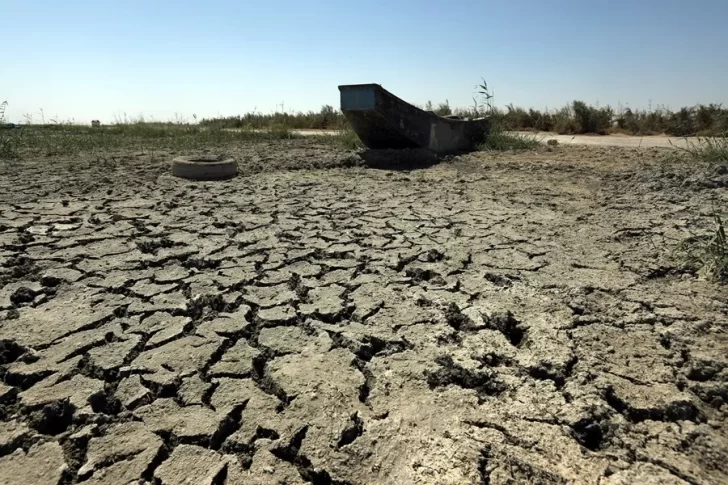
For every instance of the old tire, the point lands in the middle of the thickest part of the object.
(204, 167)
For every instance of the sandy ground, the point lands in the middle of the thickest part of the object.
(491, 319)
(609, 140)
(618, 140)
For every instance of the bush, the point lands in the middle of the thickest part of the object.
(590, 119)
(709, 254)
(326, 118)
(500, 140)
(564, 122)
(443, 109)
(710, 150)
(9, 137)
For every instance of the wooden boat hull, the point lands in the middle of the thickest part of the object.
(382, 120)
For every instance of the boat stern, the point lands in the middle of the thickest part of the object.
(382, 120)
(357, 97)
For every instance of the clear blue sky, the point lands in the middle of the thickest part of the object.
(100, 59)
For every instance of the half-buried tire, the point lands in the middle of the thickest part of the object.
(204, 167)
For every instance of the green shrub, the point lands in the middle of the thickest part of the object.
(592, 119)
(498, 138)
(10, 137)
(443, 109)
(564, 122)
(711, 150)
(501, 140)
(709, 253)
(346, 138)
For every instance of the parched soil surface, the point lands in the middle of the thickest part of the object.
(491, 319)
(617, 140)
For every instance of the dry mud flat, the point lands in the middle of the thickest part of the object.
(492, 319)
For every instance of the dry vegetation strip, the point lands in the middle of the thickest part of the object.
(575, 118)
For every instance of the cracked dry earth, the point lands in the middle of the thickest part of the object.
(493, 319)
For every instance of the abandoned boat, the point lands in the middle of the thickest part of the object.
(382, 120)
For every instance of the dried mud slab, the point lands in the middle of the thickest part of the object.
(487, 319)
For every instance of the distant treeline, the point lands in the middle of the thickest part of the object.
(578, 117)
(575, 118)
(327, 118)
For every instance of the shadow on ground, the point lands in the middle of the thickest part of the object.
(405, 159)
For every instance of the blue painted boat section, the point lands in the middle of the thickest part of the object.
(358, 98)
